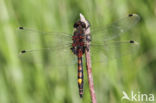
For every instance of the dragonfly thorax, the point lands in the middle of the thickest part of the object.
(79, 38)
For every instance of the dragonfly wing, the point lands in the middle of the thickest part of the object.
(54, 43)
(50, 40)
(59, 37)
(114, 49)
(116, 29)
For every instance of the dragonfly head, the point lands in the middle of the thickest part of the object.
(79, 24)
(83, 19)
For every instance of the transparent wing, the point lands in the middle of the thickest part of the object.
(114, 30)
(54, 43)
(59, 57)
(106, 43)
(58, 37)
(113, 49)
(25, 29)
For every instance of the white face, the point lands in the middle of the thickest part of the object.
(82, 19)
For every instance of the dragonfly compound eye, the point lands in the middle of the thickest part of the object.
(83, 25)
(76, 25)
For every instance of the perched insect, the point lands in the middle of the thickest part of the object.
(81, 39)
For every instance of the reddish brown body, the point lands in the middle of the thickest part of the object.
(78, 48)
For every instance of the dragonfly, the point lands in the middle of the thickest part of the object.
(82, 40)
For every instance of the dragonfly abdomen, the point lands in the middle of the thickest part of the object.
(80, 75)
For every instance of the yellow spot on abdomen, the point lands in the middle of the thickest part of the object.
(79, 81)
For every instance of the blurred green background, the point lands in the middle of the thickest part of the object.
(43, 78)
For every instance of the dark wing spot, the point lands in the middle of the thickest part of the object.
(21, 28)
(131, 41)
(23, 51)
(130, 15)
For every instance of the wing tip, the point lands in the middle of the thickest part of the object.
(133, 15)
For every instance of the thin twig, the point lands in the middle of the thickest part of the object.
(90, 76)
(88, 61)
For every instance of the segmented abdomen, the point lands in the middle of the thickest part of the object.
(80, 75)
